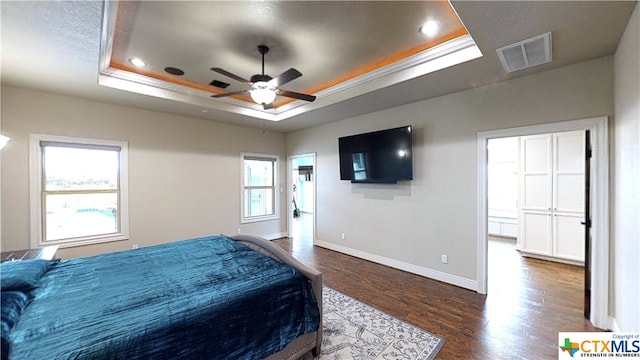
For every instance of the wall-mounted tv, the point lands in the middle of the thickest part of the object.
(377, 157)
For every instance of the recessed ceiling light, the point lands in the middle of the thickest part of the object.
(137, 62)
(429, 28)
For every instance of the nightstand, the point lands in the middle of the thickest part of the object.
(46, 253)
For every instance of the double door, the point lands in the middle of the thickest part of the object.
(552, 196)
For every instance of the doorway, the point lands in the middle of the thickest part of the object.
(598, 198)
(302, 199)
(536, 210)
(502, 171)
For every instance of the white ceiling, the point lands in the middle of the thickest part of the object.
(56, 47)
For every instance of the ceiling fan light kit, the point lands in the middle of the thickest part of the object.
(263, 88)
(262, 93)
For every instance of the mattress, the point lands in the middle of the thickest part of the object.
(206, 298)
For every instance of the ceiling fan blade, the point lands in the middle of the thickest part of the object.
(285, 77)
(296, 95)
(230, 75)
(230, 93)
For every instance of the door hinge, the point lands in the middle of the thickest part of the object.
(589, 153)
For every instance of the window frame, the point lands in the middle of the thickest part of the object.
(363, 170)
(276, 198)
(36, 190)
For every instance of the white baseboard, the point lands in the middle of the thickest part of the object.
(613, 325)
(275, 235)
(414, 269)
(552, 258)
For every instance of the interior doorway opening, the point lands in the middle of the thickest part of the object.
(536, 192)
(302, 199)
(598, 257)
(502, 223)
(503, 190)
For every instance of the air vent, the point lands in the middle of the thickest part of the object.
(174, 71)
(220, 84)
(526, 53)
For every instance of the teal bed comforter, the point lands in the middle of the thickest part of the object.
(206, 298)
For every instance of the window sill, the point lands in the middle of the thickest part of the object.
(92, 240)
(259, 219)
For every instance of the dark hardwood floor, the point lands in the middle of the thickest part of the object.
(529, 301)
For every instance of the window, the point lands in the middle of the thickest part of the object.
(78, 190)
(259, 200)
(359, 166)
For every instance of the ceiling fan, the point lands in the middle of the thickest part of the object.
(263, 88)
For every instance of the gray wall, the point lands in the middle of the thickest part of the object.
(626, 180)
(184, 173)
(411, 224)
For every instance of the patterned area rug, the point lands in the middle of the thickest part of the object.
(353, 330)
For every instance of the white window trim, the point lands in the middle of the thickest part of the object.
(35, 189)
(276, 193)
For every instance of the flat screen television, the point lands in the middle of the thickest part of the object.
(377, 157)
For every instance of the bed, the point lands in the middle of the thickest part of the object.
(237, 297)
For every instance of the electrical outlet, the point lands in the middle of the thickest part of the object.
(343, 236)
(239, 231)
(134, 246)
(445, 259)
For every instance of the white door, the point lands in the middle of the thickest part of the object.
(568, 172)
(568, 236)
(536, 232)
(536, 194)
(568, 195)
(552, 195)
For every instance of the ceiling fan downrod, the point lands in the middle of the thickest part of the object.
(262, 49)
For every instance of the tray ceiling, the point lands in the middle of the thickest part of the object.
(357, 57)
(343, 49)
